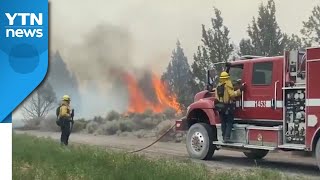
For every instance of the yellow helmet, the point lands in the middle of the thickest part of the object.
(224, 75)
(66, 98)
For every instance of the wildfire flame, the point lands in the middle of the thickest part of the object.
(139, 103)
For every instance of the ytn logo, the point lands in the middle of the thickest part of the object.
(24, 25)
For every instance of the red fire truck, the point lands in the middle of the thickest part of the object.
(278, 110)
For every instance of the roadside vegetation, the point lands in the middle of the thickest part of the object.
(40, 158)
(140, 125)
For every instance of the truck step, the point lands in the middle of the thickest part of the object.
(293, 146)
(228, 144)
(241, 145)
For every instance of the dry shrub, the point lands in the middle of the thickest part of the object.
(49, 124)
(140, 124)
(147, 123)
(109, 128)
(79, 125)
(98, 119)
(144, 115)
(112, 115)
(140, 133)
(169, 113)
(181, 137)
(91, 127)
(124, 134)
(32, 124)
(162, 128)
(127, 126)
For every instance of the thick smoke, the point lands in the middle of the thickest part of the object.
(100, 62)
(103, 52)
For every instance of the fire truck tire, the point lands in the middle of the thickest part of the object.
(317, 153)
(256, 154)
(199, 141)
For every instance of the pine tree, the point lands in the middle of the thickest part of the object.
(265, 36)
(294, 43)
(178, 76)
(63, 80)
(311, 28)
(216, 48)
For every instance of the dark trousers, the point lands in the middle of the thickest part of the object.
(65, 131)
(226, 124)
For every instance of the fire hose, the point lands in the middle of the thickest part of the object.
(154, 141)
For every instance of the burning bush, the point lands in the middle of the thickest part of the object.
(149, 92)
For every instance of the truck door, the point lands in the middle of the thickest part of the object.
(262, 98)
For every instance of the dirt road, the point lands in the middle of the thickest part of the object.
(283, 161)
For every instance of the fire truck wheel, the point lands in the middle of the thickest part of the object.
(256, 154)
(199, 141)
(317, 153)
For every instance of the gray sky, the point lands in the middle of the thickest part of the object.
(156, 24)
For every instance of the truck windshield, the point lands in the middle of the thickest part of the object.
(235, 72)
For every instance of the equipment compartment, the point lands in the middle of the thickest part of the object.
(265, 136)
(238, 134)
(295, 123)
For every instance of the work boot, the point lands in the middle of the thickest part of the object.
(227, 140)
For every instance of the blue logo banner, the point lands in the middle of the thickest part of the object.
(8, 119)
(23, 50)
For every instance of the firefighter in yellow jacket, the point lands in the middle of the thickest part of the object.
(225, 96)
(65, 118)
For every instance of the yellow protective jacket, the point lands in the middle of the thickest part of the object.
(229, 93)
(65, 111)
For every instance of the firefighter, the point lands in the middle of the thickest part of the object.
(225, 105)
(65, 118)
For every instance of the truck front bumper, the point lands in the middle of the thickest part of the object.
(181, 124)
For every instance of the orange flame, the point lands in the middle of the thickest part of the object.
(138, 103)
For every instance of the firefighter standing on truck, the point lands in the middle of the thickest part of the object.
(65, 118)
(225, 95)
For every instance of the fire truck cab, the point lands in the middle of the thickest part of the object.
(278, 109)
